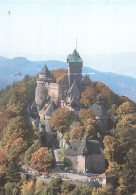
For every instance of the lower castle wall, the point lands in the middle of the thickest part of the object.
(81, 164)
(74, 161)
(95, 163)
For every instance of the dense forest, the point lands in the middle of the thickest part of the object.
(20, 143)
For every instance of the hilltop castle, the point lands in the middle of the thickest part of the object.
(69, 88)
(67, 92)
(84, 154)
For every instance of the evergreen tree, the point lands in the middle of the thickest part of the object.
(12, 171)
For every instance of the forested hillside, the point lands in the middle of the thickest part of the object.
(20, 143)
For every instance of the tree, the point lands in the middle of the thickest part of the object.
(12, 188)
(29, 84)
(106, 190)
(17, 102)
(92, 129)
(67, 187)
(77, 131)
(54, 187)
(113, 153)
(89, 122)
(89, 96)
(128, 120)
(40, 188)
(28, 188)
(17, 125)
(67, 162)
(11, 139)
(113, 116)
(17, 147)
(127, 138)
(109, 96)
(42, 159)
(12, 171)
(3, 158)
(128, 179)
(85, 114)
(59, 74)
(5, 117)
(126, 108)
(60, 119)
(3, 166)
(28, 154)
(82, 190)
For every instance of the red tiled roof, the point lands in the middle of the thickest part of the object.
(105, 175)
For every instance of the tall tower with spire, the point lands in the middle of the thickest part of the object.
(75, 64)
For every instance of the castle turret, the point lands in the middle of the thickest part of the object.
(75, 64)
(41, 90)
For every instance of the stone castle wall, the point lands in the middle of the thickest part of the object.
(103, 123)
(81, 164)
(62, 142)
(74, 161)
(92, 163)
(95, 163)
(47, 124)
(53, 89)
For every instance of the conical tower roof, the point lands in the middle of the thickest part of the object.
(45, 71)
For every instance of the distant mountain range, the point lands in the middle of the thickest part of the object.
(10, 70)
(120, 63)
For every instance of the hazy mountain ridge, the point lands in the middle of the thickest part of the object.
(120, 63)
(120, 84)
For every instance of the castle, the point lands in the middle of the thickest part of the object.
(69, 88)
(67, 92)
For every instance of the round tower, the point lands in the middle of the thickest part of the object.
(41, 91)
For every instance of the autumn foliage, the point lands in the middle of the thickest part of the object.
(60, 119)
(42, 159)
(125, 108)
(89, 96)
(59, 74)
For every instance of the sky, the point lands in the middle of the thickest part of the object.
(47, 29)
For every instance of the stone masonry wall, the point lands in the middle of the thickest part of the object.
(40, 93)
(53, 89)
(95, 163)
(81, 164)
(74, 161)
(63, 143)
(47, 124)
